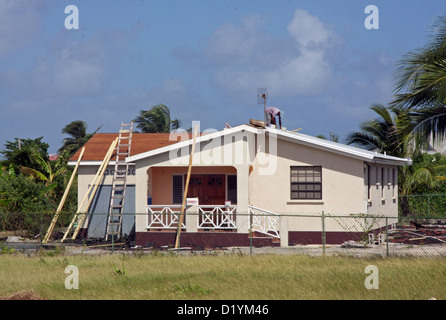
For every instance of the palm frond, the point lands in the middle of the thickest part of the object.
(33, 173)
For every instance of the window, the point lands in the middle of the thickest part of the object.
(394, 182)
(382, 183)
(306, 182)
(368, 177)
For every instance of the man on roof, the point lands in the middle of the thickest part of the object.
(271, 113)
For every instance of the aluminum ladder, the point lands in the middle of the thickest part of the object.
(119, 183)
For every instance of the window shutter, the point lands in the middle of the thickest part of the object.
(232, 188)
(177, 189)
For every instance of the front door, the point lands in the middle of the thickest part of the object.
(208, 188)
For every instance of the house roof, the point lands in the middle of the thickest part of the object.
(96, 148)
(145, 145)
(340, 148)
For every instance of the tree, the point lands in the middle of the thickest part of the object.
(4, 201)
(25, 204)
(333, 137)
(382, 134)
(157, 119)
(50, 169)
(78, 136)
(18, 153)
(421, 85)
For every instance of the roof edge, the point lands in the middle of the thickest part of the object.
(188, 142)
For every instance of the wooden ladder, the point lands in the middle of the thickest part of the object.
(119, 183)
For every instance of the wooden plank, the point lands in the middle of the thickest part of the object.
(186, 189)
(110, 151)
(104, 167)
(64, 197)
(257, 123)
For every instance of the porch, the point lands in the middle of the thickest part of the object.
(221, 214)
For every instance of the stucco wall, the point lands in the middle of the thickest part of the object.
(160, 185)
(342, 182)
(383, 186)
(86, 175)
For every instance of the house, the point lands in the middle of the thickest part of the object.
(245, 178)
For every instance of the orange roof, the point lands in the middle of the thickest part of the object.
(96, 148)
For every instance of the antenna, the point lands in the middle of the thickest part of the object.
(262, 97)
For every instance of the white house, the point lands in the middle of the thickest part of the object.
(245, 178)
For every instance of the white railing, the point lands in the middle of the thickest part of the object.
(213, 217)
(217, 217)
(164, 217)
(209, 217)
(264, 221)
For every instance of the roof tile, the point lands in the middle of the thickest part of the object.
(96, 148)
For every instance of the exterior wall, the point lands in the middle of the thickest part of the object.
(160, 180)
(381, 190)
(345, 190)
(342, 183)
(86, 174)
(382, 198)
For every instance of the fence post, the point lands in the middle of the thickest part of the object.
(428, 205)
(323, 233)
(112, 240)
(250, 231)
(387, 237)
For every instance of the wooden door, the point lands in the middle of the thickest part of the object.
(208, 188)
(215, 190)
(196, 189)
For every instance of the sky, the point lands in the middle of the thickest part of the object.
(204, 59)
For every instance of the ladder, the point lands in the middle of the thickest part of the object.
(119, 182)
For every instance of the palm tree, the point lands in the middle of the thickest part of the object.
(18, 153)
(421, 85)
(382, 134)
(385, 136)
(157, 119)
(50, 169)
(333, 137)
(78, 131)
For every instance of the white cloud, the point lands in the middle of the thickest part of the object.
(308, 31)
(234, 44)
(246, 57)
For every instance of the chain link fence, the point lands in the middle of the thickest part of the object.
(227, 231)
(422, 205)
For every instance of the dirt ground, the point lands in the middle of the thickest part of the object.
(22, 295)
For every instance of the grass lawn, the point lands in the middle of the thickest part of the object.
(259, 277)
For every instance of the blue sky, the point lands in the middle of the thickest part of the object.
(203, 59)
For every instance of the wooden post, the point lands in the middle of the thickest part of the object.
(95, 181)
(64, 197)
(186, 189)
(90, 200)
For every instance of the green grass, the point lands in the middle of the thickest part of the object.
(259, 277)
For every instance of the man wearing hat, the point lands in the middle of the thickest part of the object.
(271, 113)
